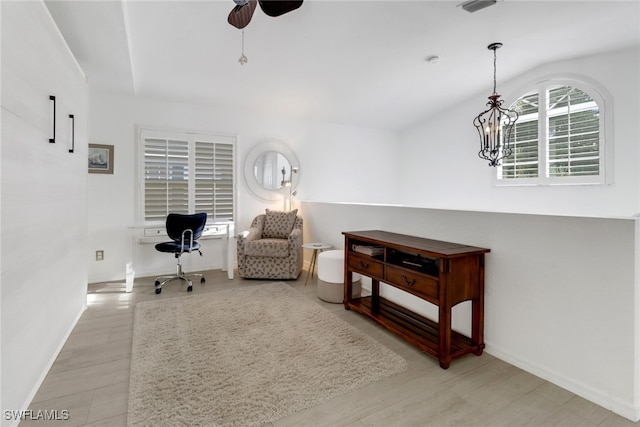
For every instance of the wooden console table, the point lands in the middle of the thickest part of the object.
(441, 273)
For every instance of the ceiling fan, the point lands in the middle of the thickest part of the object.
(242, 13)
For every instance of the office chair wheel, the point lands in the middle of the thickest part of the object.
(157, 282)
(189, 288)
(158, 290)
(202, 280)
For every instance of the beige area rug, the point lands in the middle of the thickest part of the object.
(244, 357)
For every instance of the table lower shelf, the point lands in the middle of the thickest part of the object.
(418, 330)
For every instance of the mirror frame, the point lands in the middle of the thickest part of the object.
(262, 147)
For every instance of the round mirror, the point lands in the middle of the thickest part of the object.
(269, 167)
(270, 170)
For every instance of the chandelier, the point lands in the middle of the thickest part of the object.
(495, 124)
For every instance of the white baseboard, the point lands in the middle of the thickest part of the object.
(171, 269)
(621, 407)
(45, 372)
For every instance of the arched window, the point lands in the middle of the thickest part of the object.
(559, 137)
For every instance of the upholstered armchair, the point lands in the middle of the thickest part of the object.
(272, 246)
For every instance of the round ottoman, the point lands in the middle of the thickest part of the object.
(331, 277)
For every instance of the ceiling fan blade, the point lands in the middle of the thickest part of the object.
(240, 16)
(279, 7)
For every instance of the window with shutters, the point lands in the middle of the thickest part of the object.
(186, 173)
(559, 137)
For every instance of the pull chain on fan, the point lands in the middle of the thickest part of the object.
(243, 59)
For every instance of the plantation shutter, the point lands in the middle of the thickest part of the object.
(214, 179)
(523, 161)
(188, 173)
(166, 178)
(574, 133)
(556, 139)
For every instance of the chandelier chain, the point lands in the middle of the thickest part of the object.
(494, 71)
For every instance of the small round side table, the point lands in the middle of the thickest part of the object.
(316, 247)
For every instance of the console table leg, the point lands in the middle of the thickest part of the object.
(477, 311)
(375, 295)
(477, 333)
(444, 330)
(348, 284)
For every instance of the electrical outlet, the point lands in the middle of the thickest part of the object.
(100, 255)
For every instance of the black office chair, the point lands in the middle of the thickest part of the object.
(184, 230)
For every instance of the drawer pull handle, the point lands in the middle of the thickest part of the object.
(407, 282)
(364, 265)
(53, 140)
(73, 133)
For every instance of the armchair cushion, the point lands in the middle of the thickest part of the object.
(278, 224)
(268, 247)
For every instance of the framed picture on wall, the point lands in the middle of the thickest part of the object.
(100, 158)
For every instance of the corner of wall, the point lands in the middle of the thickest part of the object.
(636, 346)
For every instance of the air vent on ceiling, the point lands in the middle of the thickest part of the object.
(475, 5)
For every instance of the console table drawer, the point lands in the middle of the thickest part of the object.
(415, 283)
(365, 265)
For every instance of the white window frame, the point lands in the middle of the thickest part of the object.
(605, 105)
(192, 137)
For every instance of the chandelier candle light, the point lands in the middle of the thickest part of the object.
(495, 124)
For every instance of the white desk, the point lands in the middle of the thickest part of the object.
(149, 234)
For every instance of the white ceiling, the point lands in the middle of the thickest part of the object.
(346, 61)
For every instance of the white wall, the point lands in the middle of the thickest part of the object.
(44, 200)
(110, 197)
(558, 302)
(467, 183)
(333, 159)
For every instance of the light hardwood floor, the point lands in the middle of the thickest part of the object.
(90, 377)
